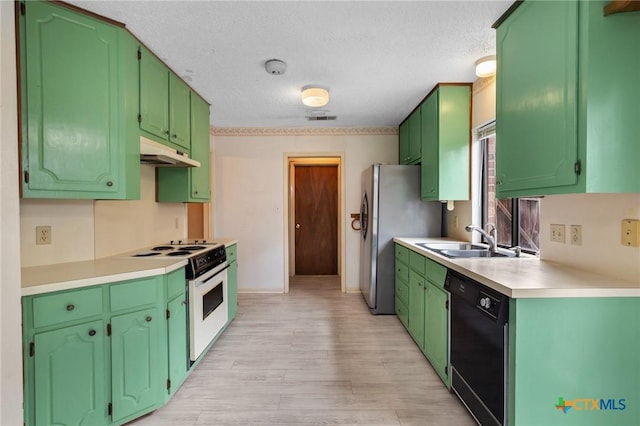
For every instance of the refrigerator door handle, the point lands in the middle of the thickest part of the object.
(364, 216)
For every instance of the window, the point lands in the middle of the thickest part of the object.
(517, 220)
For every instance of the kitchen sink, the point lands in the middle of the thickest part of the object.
(452, 246)
(465, 250)
(477, 253)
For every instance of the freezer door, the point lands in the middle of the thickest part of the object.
(368, 236)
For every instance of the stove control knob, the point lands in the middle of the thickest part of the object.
(171, 242)
(485, 302)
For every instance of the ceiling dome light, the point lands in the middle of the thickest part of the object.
(315, 96)
(486, 67)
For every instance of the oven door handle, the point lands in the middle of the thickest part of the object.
(199, 282)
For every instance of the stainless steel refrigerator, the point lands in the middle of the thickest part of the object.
(390, 207)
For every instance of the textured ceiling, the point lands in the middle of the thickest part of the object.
(378, 59)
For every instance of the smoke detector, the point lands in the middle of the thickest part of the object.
(275, 66)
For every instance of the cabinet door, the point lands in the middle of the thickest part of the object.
(403, 154)
(415, 138)
(429, 130)
(136, 355)
(177, 338)
(436, 327)
(536, 104)
(154, 95)
(70, 376)
(70, 131)
(179, 112)
(416, 308)
(232, 289)
(200, 149)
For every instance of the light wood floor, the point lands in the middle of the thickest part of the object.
(314, 356)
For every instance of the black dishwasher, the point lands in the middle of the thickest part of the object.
(479, 317)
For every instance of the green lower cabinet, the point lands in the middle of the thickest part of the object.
(436, 326)
(574, 362)
(70, 376)
(416, 308)
(422, 306)
(105, 354)
(232, 280)
(136, 362)
(232, 289)
(178, 345)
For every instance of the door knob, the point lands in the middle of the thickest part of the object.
(297, 226)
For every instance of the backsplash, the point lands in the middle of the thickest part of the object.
(87, 229)
(600, 216)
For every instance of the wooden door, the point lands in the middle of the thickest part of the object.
(316, 214)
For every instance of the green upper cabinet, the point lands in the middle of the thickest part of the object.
(154, 95)
(76, 103)
(410, 139)
(446, 131)
(180, 112)
(567, 92)
(190, 184)
(165, 107)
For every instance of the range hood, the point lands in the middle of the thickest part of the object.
(162, 156)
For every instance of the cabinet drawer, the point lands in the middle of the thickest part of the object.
(402, 271)
(68, 306)
(402, 312)
(402, 291)
(402, 254)
(135, 293)
(436, 273)
(232, 253)
(417, 262)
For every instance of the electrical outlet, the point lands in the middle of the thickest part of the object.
(576, 235)
(557, 233)
(630, 232)
(43, 235)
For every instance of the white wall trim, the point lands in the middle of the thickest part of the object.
(302, 131)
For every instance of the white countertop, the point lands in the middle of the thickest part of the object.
(528, 276)
(67, 276)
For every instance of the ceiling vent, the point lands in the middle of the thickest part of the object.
(321, 117)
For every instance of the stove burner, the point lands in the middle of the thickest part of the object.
(146, 254)
(179, 253)
(192, 248)
(162, 248)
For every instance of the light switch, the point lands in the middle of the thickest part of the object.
(630, 232)
(557, 233)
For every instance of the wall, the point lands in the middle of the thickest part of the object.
(250, 176)
(10, 318)
(600, 216)
(87, 229)
(122, 226)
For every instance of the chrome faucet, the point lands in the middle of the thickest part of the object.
(491, 235)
